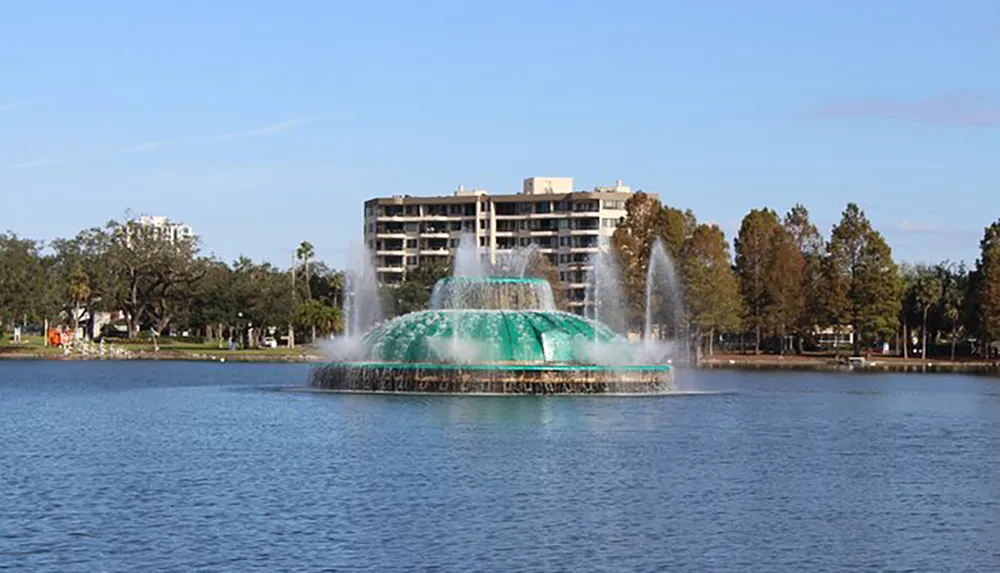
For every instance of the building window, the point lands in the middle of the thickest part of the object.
(411, 261)
(617, 205)
(610, 223)
(411, 243)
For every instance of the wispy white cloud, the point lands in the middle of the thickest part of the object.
(30, 164)
(918, 227)
(13, 105)
(146, 146)
(970, 108)
(268, 130)
(930, 228)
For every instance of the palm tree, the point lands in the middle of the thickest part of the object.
(304, 253)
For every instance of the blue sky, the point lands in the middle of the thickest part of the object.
(262, 123)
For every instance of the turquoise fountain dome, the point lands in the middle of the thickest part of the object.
(493, 334)
(488, 319)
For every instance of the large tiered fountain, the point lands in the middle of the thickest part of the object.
(490, 330)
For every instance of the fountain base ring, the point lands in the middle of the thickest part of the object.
(492, 378)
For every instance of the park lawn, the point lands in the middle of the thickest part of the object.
(30, 345)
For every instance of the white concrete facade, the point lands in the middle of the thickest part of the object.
(172, 231)
(564, 224)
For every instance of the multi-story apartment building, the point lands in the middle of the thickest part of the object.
(565, 225)
(166, 229)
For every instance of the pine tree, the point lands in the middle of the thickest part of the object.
(713, 299)
(784, 284)
(753, 250)
(863, 281)
(811, 246)
(875, 301)
(987, 292)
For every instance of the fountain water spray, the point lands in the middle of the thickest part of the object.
(362, 305)
(665, 316)
(604, 292)
(491, 328)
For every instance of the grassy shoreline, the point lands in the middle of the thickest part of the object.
(36, 350)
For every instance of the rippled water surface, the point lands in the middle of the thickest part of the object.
(220, 467)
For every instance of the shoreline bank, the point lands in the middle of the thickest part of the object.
(831, 364)
(717, 362)
(163, 356)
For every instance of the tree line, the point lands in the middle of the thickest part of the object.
(163, 286)
(778, 284)
(160, 285)
(783, 282)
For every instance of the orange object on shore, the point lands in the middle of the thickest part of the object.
(59, 337)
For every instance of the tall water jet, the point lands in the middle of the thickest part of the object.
(362, 305)
(468, 262)
(515, 262)
(665, 316)
(604, 292)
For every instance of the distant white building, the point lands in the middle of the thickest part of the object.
(172, 231)
(564, 224)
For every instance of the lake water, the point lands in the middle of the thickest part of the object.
(159, 466)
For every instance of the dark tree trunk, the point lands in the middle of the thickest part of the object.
(906, 341)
